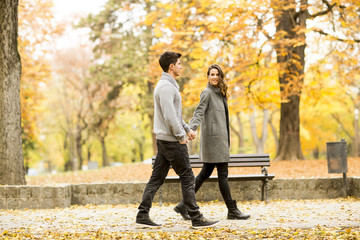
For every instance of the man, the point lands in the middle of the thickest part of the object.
(171, 131)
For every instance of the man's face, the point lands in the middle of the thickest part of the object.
(176, 69)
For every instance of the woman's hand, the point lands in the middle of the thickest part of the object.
(191, 135)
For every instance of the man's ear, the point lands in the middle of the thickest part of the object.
(171, 66)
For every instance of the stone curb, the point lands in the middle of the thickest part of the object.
(62, 196)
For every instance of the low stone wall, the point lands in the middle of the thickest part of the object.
(355, 187)
(278, 189)
(37, 197)
(107, 193)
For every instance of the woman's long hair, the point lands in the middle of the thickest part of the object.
(222, 85)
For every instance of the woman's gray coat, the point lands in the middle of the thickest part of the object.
(213, 115)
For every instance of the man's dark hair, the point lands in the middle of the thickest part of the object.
(168, 58)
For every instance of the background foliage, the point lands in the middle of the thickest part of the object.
(93, 103)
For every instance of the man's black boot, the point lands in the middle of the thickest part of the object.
(201, 222)
(234, 212)
(143, 220)
(182, 209)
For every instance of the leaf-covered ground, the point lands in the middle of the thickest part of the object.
(313, 233)
(279, 219)
(139, 172)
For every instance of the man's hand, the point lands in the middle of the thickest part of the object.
(184, 142)
(191, 135)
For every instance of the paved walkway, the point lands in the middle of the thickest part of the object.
(331, 213)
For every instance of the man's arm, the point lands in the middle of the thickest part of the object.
(166, 98)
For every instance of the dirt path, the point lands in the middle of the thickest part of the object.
(285, 214)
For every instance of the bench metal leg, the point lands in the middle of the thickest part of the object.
(262, 190)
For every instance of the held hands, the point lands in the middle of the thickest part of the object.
(191, 136)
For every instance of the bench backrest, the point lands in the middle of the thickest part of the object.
(236, 160)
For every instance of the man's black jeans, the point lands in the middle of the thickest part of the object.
(177, 155)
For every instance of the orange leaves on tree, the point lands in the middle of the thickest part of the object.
(35, 32)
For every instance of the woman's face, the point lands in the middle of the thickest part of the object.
(213, 77)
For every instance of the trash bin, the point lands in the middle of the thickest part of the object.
(337, 159)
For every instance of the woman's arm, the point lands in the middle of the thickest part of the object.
(200, 110)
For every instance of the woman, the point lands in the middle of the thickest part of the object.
(213, 116)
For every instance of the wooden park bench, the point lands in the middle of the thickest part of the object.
(236, 160)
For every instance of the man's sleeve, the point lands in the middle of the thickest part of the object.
(167, 96)
(186, 126)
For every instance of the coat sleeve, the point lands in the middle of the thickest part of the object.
(200, 110)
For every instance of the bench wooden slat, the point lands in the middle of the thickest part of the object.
(230, 177)
(196, 163)
(200, 164)
(261, 155)
(232, 160)
(238, 159)
(235, 156)
(251, 155)
(257, 164)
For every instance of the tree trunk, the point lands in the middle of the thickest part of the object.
(274, 131)
(88, 149)
(79, 143)
(253, 131)
(290, 50)
(239, 133)
(259, 142)
(356, 142)
(72, 150)
(142, 149)
(68, 166)
(104, 152)
(356, 128)
(289, 141)
(12, 171)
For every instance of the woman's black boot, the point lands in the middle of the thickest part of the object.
(234, 212)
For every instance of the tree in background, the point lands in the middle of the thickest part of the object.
(36, 30)
(12, 170)
(94, 91)
(88, 101)
(242, 36)
(259, 44)
(103, 114)
(122, 48)
(73, 87)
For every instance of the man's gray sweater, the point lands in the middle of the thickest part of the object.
(168, 122)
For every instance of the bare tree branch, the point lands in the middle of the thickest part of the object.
(321, 13)
(337, 118)
(337, 38)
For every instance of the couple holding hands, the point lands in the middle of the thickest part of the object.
(171, 131)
